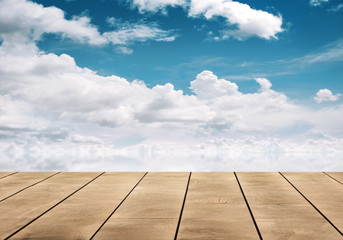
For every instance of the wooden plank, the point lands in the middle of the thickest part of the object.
(82, 214)
(338, 176)
(19, 181)
(280, 211)
(215, 209)
(22, 208)
(151, 211)
(5, 174)
(322, 192)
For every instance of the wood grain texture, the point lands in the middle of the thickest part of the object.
(215, 209)
(5, 174)
(338, 176)
(29, 204)
(127, 206)
(82, 214)
(151, 211)
(321, 191)
(280, 211)
(17, 182)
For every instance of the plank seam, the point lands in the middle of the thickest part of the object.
(28, 187)
(183, 205)
(27, 224)
(332, 178)
(118, 206)
(311, 204)
(246, 202)
(8, 175)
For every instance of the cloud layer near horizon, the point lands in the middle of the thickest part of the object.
(49, 104)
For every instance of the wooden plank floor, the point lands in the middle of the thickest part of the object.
(81, 215)
(152, 210)
(24, 207)
(212, 201)
(316, 187)
(171, 205)
(281, 212)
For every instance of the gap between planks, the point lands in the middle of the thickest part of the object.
(332, 178)
(11, 235)
(29, 186)
(8, 175)
(183, 205)
(311, 203)
(246, 202)
(118, 206)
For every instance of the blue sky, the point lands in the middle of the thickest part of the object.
(307, 30)
(219, 84)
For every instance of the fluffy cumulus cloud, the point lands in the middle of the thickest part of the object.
(249, 22)
(53, 109)
(207, 86)
(325, 95)
(242, 21)
(22, 20)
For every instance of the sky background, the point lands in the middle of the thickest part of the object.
(134, 85)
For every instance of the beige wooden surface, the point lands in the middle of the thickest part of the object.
(280, 211)
(29, 204)
(215, 209)
(4, 174)
(76, 205)
(83, 213)
(18, 181)
(336, 175)
(151, 211)
(323, 192)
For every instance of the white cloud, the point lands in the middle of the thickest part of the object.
(325, 95)
(156, 5)
(208, 86)
(332, 52)
(51, 107)
(242, 20)
(264, 83)
(130, 33)
(318, 2)
(16, 116)
(54, 90)
(54, 86)
(223, 154)
(249, 22)
(23, 21)
(112, 21)
(123, 50)
(26, 19)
